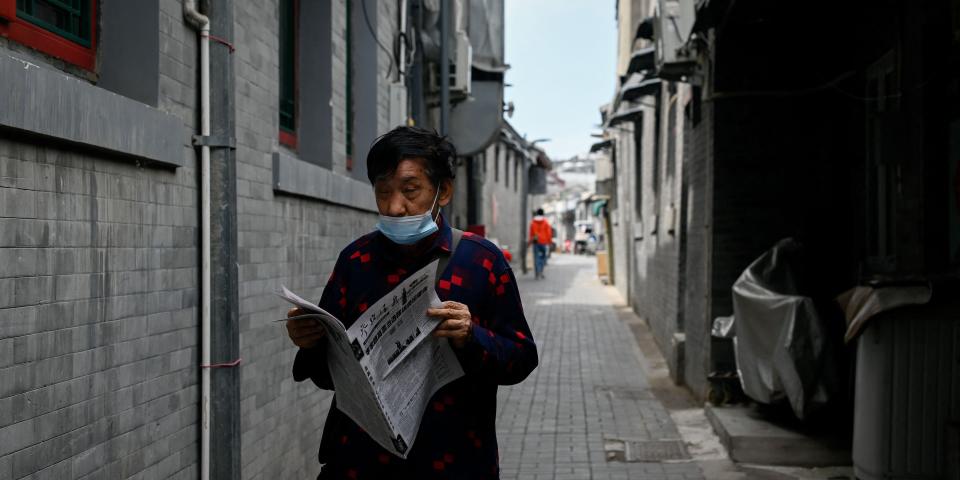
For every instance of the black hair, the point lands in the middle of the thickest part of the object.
(412, 142)
(539, 211)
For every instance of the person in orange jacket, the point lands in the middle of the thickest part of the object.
(541, 237)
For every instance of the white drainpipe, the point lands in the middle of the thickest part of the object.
(202, 23)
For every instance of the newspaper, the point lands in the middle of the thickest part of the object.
(387, 365)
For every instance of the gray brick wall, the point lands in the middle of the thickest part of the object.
(338, 96)
(178, 59)
(282, 240)
(486, 159)
(456, 210)
(622, 217)
(388, 27)
(644, 259)
(662, 277)
(698, 149)
(98, 315)
(98, 290)
(656, 284)
(510, 219)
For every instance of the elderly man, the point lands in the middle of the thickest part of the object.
(411, 170)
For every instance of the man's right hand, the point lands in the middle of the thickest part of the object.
(306, 332)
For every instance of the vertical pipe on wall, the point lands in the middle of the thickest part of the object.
(224, 396)
(205, 249)
(202, 23)
(445, 12)
(402, 59)
(416, 68)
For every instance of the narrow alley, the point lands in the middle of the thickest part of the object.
(590, 395)
(231, 239)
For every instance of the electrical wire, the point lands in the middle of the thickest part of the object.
(366, 18)
(779, 93)
(833, 85)
(408, 41)
(902, 93)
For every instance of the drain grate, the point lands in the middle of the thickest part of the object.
(627, 393)
(653, 451)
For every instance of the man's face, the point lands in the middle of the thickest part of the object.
(409, 191)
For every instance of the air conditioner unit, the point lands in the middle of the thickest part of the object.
(461, 62)
(460, 77)
(397, 112)
(672, 30)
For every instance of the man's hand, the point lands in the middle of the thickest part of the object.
(456, 322)
(305, 332)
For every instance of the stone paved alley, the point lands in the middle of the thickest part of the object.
(589, 391)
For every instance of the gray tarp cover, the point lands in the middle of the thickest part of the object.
(485, 29)
(781, 347)
(483, 22)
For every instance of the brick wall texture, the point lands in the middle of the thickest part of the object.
(656, 284)
(98, 315)
(698, 150)
(510, 220)
(282, 240)
(99, 299)
(762, 158)
(661, 225)
(623, 217)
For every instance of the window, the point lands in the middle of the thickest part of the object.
(60, 28)
(516, 175)
(288, 72)
(638, 167)
(672, 108)
(364, 81)
(496, 165)
(659, 149)
(506, 169)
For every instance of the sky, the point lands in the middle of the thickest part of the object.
(562, 56)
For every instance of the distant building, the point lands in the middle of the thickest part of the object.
(572, 180)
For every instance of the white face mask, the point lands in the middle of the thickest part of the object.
(411, 228)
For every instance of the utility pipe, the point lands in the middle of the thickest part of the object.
(201, 23)
(445, 66)
(402, 62)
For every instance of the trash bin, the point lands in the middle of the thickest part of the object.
(907, 392)
(602, 264)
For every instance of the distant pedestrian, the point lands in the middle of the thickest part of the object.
(541, 237)
(412, 174)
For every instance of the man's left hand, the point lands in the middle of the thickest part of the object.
(456, 322)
